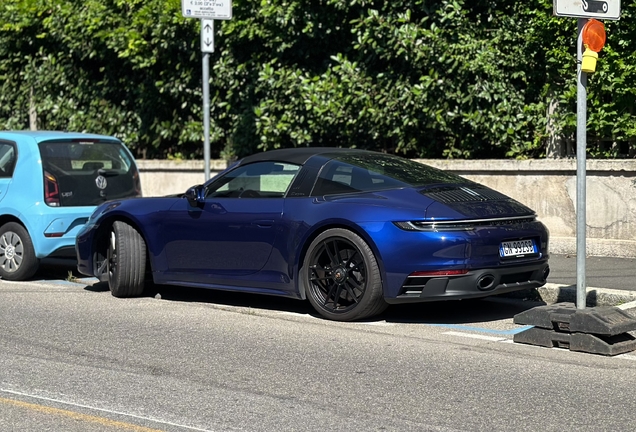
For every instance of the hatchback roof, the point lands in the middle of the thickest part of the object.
(40, 136)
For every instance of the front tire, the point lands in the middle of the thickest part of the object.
(342, 277)
(126, 261)
(17, 256)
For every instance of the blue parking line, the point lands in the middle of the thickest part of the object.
(83, 281)
(482, 330)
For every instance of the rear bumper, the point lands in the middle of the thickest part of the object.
(53, 229)
(64, 252)
(475, 284)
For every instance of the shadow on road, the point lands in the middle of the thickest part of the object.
(458, 311)
(441, 312)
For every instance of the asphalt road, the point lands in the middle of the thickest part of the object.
(600, 272)
(74, 358)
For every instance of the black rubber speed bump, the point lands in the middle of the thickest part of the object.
(597, 330)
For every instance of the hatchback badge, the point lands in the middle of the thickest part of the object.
(101, 182)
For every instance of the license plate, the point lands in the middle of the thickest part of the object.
(517, 248)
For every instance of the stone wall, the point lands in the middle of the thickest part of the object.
(548, 186)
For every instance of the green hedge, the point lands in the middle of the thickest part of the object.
(422, 78)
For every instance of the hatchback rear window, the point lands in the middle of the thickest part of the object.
(87, 172)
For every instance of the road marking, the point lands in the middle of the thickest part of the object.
(297, 314)
(631, 357)
(629, 305)
(627, 356)
(77, 416)
(377, 323)
(481, 329)
(90, 418)
(475, 336)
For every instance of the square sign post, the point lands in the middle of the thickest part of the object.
(583, 10)
(207, 12)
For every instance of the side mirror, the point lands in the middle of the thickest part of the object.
(195, 196)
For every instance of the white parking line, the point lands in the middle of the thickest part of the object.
(629, 305)
(297, 314)
(119, 413)
(631, 357)
(476, 336)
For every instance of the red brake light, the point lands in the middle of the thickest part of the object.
(51, 190)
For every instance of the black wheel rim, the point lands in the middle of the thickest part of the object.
(337, 275)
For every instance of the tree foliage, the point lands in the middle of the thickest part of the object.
(423, 78)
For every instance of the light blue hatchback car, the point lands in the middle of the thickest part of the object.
(50, 183)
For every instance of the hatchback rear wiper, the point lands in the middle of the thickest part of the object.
(107, 172)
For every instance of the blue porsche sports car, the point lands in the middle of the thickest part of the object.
(349, 230)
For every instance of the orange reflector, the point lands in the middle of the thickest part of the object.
(593, 35)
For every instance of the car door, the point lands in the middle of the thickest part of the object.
(232, 232)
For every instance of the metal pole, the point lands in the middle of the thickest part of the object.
(206, 114)
(581, 144)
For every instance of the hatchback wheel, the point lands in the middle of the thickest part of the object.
(126, 261)
(17, 256)
(342, 277)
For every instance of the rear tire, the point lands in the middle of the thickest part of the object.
(17, 256)
(126, 261)
(342, 277)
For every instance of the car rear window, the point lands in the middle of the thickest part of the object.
(87, 172)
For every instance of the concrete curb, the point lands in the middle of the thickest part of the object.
(554, 293)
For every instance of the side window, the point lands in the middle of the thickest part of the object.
(257, 180)
(7, 159)
(338, 177)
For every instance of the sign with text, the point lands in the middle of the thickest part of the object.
(599, 9)
(210, 9)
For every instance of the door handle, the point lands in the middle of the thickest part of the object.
(263, 223)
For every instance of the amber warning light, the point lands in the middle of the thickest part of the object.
(593, 35)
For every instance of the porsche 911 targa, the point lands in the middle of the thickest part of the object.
(349, 230)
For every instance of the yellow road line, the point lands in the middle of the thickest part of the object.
(78, 416)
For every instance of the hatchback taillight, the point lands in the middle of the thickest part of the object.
(51, 190)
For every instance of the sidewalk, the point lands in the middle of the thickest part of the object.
(609, 281)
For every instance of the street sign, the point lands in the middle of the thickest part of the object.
(212, 9)
(207, 11)
(599, 9)
(207, 36)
